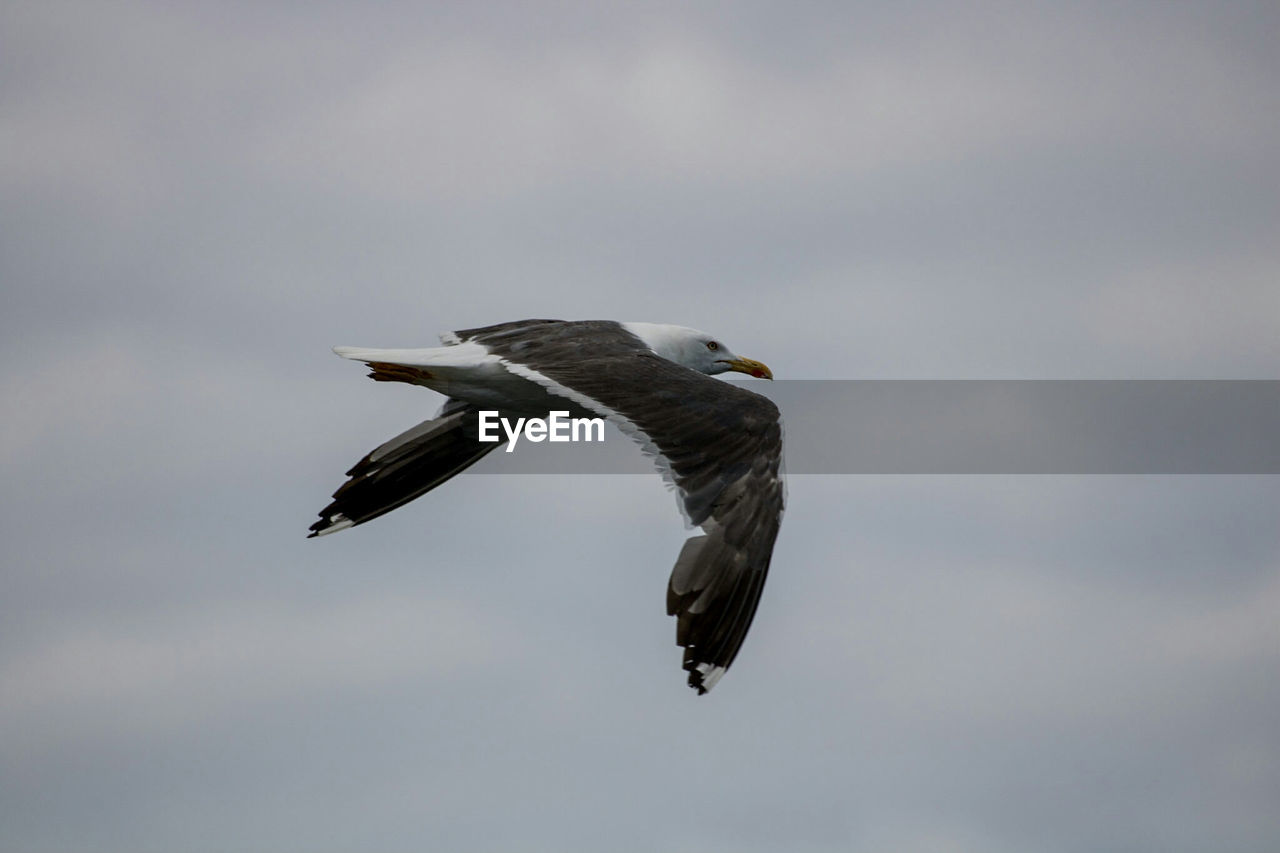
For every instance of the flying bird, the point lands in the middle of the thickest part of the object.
(717, 444)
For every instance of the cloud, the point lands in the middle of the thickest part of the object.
(191, 668)
(200, 201)
(1195, 310)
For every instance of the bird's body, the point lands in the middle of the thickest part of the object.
(719, 445)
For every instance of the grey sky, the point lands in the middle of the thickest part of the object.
(198, 200)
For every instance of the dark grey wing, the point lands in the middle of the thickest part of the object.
(406, 467)
(721, 446)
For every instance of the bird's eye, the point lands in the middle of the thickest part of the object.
(713, 346)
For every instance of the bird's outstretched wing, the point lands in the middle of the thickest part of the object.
(406, 467)
(718, 444)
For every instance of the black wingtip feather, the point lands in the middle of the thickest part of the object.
(406, 467)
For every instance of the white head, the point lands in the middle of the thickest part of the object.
(696, 350)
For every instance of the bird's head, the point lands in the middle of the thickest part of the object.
(696, 350)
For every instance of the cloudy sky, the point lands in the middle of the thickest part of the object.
(197, 200)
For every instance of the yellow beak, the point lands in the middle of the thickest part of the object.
(751, 367)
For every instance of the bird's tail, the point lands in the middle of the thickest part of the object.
(409, 465)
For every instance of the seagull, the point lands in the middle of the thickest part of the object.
(717, 445)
